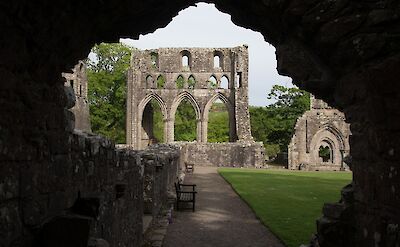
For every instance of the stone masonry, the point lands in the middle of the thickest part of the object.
(320, 127)
(344, 52)
(200, 76)
(77, 81)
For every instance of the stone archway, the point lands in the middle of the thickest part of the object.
(343, 52)
(333, 138)
(141, 115)
(175, 104)
(231, 114)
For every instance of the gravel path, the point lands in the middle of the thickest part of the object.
(221, 218)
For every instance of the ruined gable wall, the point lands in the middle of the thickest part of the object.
(319, 123)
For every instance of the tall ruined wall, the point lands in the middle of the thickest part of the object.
(320, 126)
(150, 65)
(237, 154)
(78, 82)
(346, 52)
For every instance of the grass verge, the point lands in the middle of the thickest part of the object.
(287, 202)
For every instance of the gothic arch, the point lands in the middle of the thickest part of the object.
(177, 101)
(331, 135)
(141, 109)
(175, 104)
(231, 114)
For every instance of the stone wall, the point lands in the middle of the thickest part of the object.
(89, 179)
(231, 154)
(161, 171)
(148, 66)
(321, 126)
(78, 82)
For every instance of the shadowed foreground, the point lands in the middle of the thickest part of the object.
(221, 218)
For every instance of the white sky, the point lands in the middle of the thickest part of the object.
(205, 26)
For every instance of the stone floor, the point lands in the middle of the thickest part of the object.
(221, 218)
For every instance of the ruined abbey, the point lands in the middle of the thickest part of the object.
(52, 177)
(200, 76)
(321, 128)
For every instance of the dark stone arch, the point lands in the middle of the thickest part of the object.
(337, 50)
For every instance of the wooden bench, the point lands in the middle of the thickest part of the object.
(189, 167)
(185, 193)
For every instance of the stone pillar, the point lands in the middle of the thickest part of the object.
(204, 130)
(242, 115)
(169, 130)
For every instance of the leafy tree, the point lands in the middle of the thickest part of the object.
(158, 123)
(218, 123)
(274, 124)
(185, 122)
(107, 89)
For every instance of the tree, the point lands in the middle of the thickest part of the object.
(107, 68)
(274, 124)
(185, 122)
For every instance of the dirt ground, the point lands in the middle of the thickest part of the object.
(221, 218)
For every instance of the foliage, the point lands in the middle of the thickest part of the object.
(185, 122)
(191, 82)
(274, 124)
(218, 123)
(160, 81)
(212, 82)
(325, 153)
(158, 123)
(287, 202)
(107, 89)
(180, 82)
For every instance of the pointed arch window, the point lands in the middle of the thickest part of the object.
(191, 82)
(180, 82)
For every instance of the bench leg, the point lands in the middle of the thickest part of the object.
(194, 204)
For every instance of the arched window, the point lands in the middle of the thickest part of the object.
(191, 82)
(218, 59)
(154, 59)
(186, 59)
(160, 81)
(224, 82)
(80, 89)
(238, 79)
(71, 83)
(212, 82)
(180, 82)
(325, 153)
(149, 82)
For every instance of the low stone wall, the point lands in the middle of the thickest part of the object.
(86, 190)
(232, 154)
(161, 168)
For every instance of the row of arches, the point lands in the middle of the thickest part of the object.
(195, 118)
(181, 82)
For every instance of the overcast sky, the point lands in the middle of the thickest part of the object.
(205, 26)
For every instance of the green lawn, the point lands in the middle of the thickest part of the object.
(287, 202)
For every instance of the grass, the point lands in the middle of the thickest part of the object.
(287, 202)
